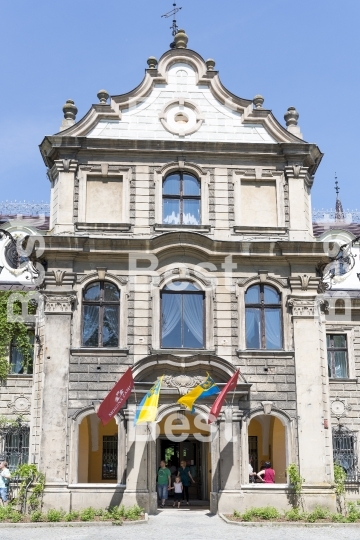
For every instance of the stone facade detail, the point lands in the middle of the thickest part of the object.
(58, 304)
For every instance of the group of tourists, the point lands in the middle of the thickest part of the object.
(180, 479)
(266, 475)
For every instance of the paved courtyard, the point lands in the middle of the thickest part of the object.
(197, 525)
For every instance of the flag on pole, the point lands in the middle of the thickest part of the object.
(203, 390)
(218, 403)
(147, 409)
(116, 398)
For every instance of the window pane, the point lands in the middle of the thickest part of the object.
(171, 185)
(329, 364)
(171, 211)
(328, 344)
(252, 295)
(179, 286)
(271, 296)
(111, 293)
(252, 322)
(273, 334)
(339, 341)
(191, 214)
(16, 360)
(191, 185)
(340, 365)
(171, 316)
(91, 326)
(92, 292)
(193, 321)
(110, 330)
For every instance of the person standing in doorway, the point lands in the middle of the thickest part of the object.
(267, 474)
(163, 482)
(178, 489)
(185, 476)
(4, 482)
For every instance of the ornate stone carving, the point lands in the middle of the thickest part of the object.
(306, 307)
(19, 404)
(304, 281)
(182, 382)
(59, 276)
(339, 408)
(57, 303)
(267, 406)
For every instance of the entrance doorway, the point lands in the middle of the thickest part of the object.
(186, 437)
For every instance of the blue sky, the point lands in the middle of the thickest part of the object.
(295, 53)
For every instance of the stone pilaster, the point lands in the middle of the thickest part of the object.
(53, 421)
(62, 176)
(309, 373)
(299, 203)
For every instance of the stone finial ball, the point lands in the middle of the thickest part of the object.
(152, 62)
(258, 101)
(70, 110)
(210, 64)
(291, 116)
(103, 96)
(181, 40)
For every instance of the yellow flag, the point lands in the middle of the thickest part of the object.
(147, 410)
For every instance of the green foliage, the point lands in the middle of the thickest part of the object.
(353, 512)
(316, 514)
(37, 516)
(236, 514)
(10, 331)
(295, 515)
(54, 516)
(266, 513)
(88, 514)
(9, 513)
(338, 518)
(295, 479)
(26, 473)
(339, 480)
(71, 516)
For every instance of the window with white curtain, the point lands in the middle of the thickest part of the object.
(101, 304)
(182, 316)
(181, 199)
(263, 319)
(337, 354)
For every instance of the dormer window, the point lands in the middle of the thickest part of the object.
(181, 198)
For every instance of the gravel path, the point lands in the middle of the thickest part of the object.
(169, 524)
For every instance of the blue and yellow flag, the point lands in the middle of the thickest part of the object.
(147, 409)
(203, 390)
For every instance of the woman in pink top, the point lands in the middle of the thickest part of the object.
(267, 474)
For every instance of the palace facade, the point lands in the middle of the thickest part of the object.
(181, 243)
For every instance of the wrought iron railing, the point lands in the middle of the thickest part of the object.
(345, 452)
(14, 443)
(350, 216)
(24, 208)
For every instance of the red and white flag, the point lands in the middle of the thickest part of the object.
(116, 398)
(218, 403)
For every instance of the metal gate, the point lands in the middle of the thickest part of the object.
(345, 452)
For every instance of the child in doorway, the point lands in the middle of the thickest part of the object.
(178, 488)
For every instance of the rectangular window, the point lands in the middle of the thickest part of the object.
(17, 366)
(337, 356)
(109, 457)
(16, 447)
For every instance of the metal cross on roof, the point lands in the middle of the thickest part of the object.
(174, 28)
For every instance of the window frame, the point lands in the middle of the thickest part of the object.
(262, 307)
(102, 304)
(331, 374)
(181, 197)
(13, 347)
(199, 292)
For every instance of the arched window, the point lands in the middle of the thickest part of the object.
(182, 316)
(181, 199)
(263, 318)
(101, 303)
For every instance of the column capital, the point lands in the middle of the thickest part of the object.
(58, 303)
(305, 306)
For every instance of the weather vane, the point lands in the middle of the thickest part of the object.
(174, 27)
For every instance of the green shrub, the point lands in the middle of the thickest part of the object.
(54, 516)
(236, 514)
(317, 513)
(339, 480)
(266, 513)
(15, 516)
(88, 514)
(337, 518)
(71, 516)
(353, 512)
(295, 515)
(37, 516)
